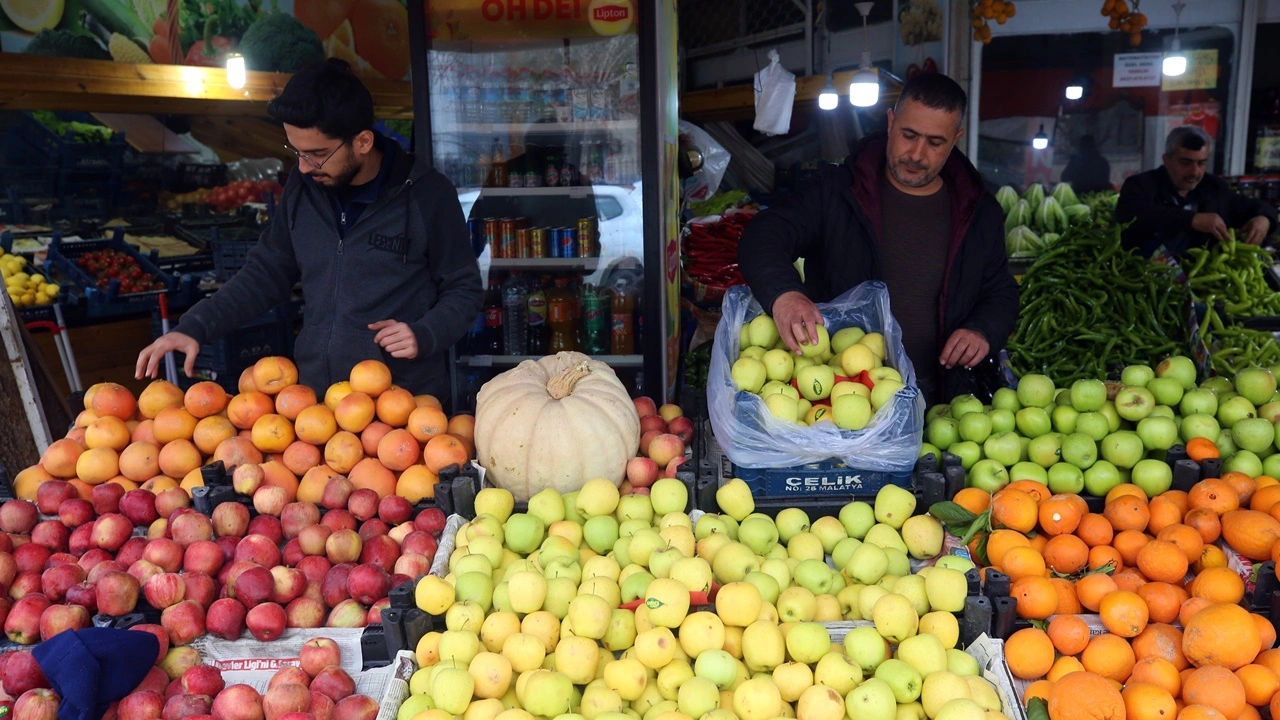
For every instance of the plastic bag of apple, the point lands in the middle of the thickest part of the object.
(850, 396)
(536, 620)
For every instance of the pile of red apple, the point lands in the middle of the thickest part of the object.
(665, 433)
(179, 687)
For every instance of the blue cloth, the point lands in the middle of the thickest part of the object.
(94, 667)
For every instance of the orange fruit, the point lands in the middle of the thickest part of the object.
(1109, 656)
(1163, 600)
(1249, 713)
(1065, 554)
(1029, 653)
(1274, 705)
(1038, 542)
(1127, 512)
(1091, 589)
(1094, 530)
(1190, 607)
(1210, 557)
(975, 500)
(1218, 585)
(1163, 561)
(1164, 512)
(1068, 603)
(1104, 555)
(1158, 672)
(1221, 634)
(1038, 689)
(1034, 488)
(1265, 481)
(1144, 701)
(1185, 537)
(1265, 497)
(1217, 687)
(1059, 515)
(1129, 579)
(1036, 597)
(1085, 696)
(1023, 562)
(1200, 712)
(1206, 522)
(1241, 483)
(1269, 659)
(1124, 613)
(1001, 541)
(1266, 632)
(1015, 509)
(1214, 494)
(1161, 640)
(1069, 634)
(1124, 489)
(1062, 667)
(1260, 684)
(1179, 498)
(1200, 449)
(1129, 543)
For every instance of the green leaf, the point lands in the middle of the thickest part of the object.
(1037, 709)
(1039, 624)
(951, 514)
(982, 551)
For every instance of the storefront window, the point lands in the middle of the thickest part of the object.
(1125, 111)
(1263, 152)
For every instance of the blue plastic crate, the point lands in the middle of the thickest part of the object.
(72, 156)
(110, 302)
(223, 360)
(87, 199)
(29, 180)
(231, 248)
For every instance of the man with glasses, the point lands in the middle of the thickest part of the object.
(376, 237)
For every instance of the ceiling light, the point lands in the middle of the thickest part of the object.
(1040, 141)
(1075, 91)
(828, 99)
(864, 90)
(1175, 63)
(235, 70)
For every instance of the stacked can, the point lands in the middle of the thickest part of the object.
(507, 238)
(489, 236)
(538, 242)
(588, 238)
(566, 240)
(524, 242)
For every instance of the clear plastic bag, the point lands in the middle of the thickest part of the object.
(775, 94)
(715, 161)
(752, 437)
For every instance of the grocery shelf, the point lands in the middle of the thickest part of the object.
(540, 128)
(512, 360)
(588, 264)
(571, 191)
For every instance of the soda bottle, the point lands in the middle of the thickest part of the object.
(538, 333)
(595, 320)
(622, 310)
(514, 312)
(493, 318)
(560, 306)
(499, 160)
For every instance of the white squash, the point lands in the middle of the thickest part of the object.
(555, 422)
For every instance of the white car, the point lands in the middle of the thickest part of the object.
(618, 209)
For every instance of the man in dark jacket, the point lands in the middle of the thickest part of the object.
(908, 210)
(1181, 206)
(376, 237)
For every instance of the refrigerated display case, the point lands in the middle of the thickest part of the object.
(552, 131)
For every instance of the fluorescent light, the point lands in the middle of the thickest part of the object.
(828, 99)
(1040, 141)
(1075, 92)
(1175, 65)
(235, 70)
(864, 88)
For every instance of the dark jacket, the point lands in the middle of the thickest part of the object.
(1160, 216)
(835, 225)
(407, 258)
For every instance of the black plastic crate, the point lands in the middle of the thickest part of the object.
(29, 180)
(71, 155)
(231, 248)
(224, 359)
(201, 175)
(200, 232)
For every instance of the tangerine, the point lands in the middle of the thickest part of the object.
(1059, 515)
(1221, 634)
(1163, 561)
(1128, 512)
(975, 500)
(1085, 696)
(1094, 530)
(1015, 509)
(1260, 684)
(1022, 562)
(1144, 701)
(1091, 589)
(1124, 613)
(1163, 600)
(1029, 653)
(1065, 554)
(1218, 585)
(1069, 634)
(1214, 494)
(1036, 597)
(1217, 687)
(1161, 640)
(1158, 672)
(1109, 656)
(1129, 543)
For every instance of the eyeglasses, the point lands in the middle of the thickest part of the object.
(311, 161)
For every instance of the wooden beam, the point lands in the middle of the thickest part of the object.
(31, 82)
(739, 101)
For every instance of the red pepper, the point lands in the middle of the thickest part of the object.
(197, 54)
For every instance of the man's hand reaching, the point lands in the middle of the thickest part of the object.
(797, 319)
(396, 338)
(964, 347)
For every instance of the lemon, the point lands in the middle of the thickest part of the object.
(33, 15)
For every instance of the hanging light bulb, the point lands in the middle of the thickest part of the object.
(1175, 63)
(235, 70)
(1040, 141)
(828, 99)
(1075, 91)
(864, 89)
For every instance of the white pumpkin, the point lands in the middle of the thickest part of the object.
(555, 422)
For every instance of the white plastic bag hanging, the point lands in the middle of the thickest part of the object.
(775, 93)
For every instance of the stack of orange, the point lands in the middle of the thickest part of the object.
(1129, 564)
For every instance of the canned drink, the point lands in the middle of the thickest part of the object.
(490, 236)
(524, 242)
(515, 180)
(553, 242)
(507, 237)
(538, 242)
(588, 238)
(568, 241)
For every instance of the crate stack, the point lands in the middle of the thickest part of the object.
(81, 179)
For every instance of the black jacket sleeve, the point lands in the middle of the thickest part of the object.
(1138, 204)
(996, 313)
(453, 268)
(269, 273)
(789, 229)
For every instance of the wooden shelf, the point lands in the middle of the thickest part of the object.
(33, 82)
(738, 101)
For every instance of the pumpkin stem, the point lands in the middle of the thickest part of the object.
(561, 386)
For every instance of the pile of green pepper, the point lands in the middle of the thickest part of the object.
(1235, 274)
(1090, 307)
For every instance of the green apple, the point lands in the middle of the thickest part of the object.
(872, 700)
(762, 332)
(846, 337)
(779, 365)
(1135, 403)
(1256, 384)
(1101, 478)
(866, 648)
(496, 502)
(1200, 425)
(942, 432)
(695, 573)
(902, 678)
(856, 359)
(758, 533)
(1027, 470)
(547, 505)
(923, 535)
(975, 427)
(884, 372)
(1235, 409)
(1153, 476)
(1123, 449)
(1064, 419)
(474, 587)
(1088, 395)
(867, 564)
(815, 382)
(851, 412)
(1065, 478)
(1254, 434)
(895, 617)
(875, 341)
(1166, 391)
(894, 505)
(1245, 462)
(753, 353)
(962, 663)
(1005, 448)
(1002, 420)
(884, 392)
(1198, 402)
(1006, 399)
(1136, 376)
(734, 499)
(857, 518)
(635, 507)
(947, 589)
(1093, 424)
(819, 348)
(1046, 449)
(782, 407)
(1157, 433)
(941, 688)
(791, 522)
(524, 532)
(807, 642)
(968, 452)
(962, 405)
(924, 652)
(1035, 391)
(1033, 422)
(1179, 368)
(748, 374)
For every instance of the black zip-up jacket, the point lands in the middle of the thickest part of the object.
(407, 257)
(835, 225)
(1157, 211)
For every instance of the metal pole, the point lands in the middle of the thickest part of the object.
(1239, 136)
(975, 95)
(419, 43)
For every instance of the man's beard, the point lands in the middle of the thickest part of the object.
(339, 180)
(915, 182)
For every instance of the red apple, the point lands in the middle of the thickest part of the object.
(398, 579)
(356, 707)
(297, 515)
(76, 512)
(268, 527)
(430, 520)
(645, 406)
(380, 550)
(317, 654)
(232, 572)
(311, 539)
(304, 612)
(291, 554)
(180, 707)
(646, 439)
(315, 567)
(363, 504)
(334, 586)
(368, 583)
(226, 618)
(139, 506)
(258, 549)
(23, 622)
(203, 680)
(170, 500)
(230, 519)
(401, 531)
(57, 580)
(50, 496)
(373, 527)
(343, 546)
(333, 682)
(413, 565)
(374, 616)
(665, 448)
(674, 466)
(21, 673)
(132, 551)
(144, 571)
(110, 531)
(80, 542)
(84, 595)
(90, 559)
(394, 509)
(254, 585)
(190, 527)
(102, 568)
(283, 699)
(31, 557)
(683, 428)
(420, 542)
(179, 660)
(184, 622)
(266, 621)
(203, 556)
(339, 520)
(144, 705)
(670, 412)
(270, 500)
(227, 545)
(289, 675)
(59, 618)
(337, 491)
(642, 472)
(247, 478)
(289, 584)
(650, 423)
(321, 707)
(38, 704)
(106, 498)
(348, 614)
(238, 702)
(166, 553)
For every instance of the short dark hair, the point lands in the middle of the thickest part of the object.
(326, 96)
(1187, 137)
(934, 90)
